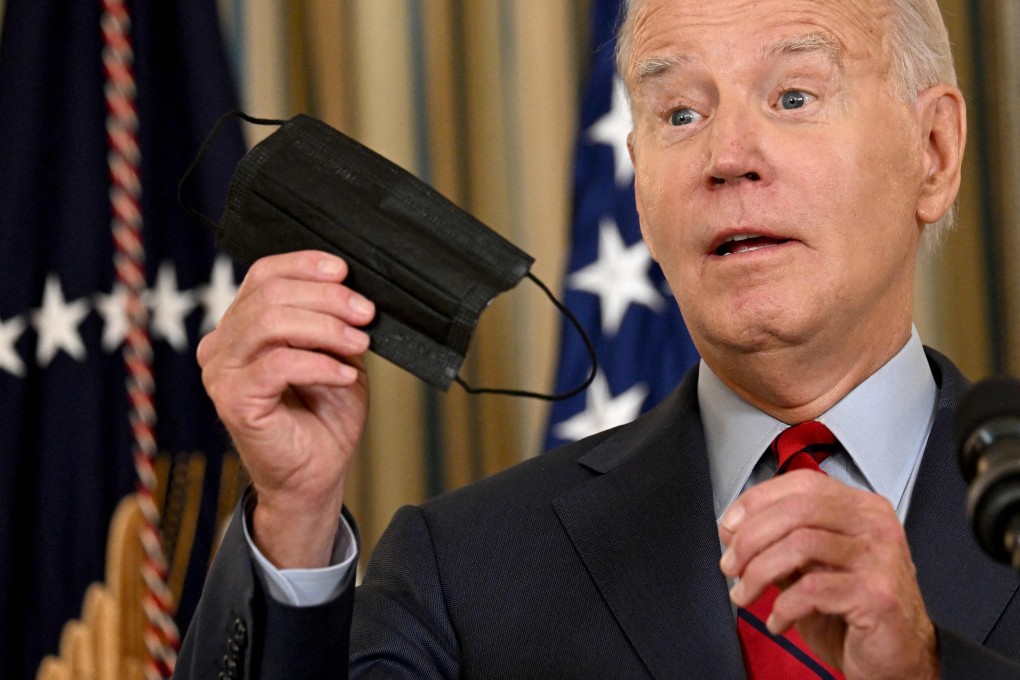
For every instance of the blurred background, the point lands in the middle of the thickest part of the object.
(494, 103)
(482, 100)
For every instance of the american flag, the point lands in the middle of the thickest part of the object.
(65, 437)
(613, 286)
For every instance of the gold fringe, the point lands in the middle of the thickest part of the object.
(106, 643)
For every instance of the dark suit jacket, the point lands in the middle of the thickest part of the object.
(598, 560)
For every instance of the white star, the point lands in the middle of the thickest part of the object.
(619, 277)
(169, 307)
(57, 323)
(10, 331)
(219, 294)
(602, 410)
(613, 128)
(113, 309)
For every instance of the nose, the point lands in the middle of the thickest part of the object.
(736, 148)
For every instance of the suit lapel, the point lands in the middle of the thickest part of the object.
(963, 589)
(646, 532)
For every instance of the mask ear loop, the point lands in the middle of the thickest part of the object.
(203, 150)
(536, 395)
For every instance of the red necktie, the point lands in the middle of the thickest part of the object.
(785, 657)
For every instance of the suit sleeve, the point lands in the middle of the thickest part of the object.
(963, 659)
(238, 631)
(401, 625)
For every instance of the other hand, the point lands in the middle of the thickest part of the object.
(841, 559)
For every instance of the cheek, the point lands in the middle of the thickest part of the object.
(854, 193)
(665, 202)
(871, 237)
(887, 162)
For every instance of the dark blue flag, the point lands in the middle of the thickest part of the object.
(613, 286)
(65, 439)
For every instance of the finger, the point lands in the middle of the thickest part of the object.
(763, 496)
(809, 504)
(286, 366)
(796, 497)
(325, 297)
(307, 265)
(207, 347)
(833, 508)
(819, 591)
(303, 265)
(860, 623)
(802, 550)
(270, 327)
(257, 389)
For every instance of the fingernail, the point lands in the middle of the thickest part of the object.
(737, 592)
(732, 517)
(329, 265)
(348, 373)
(727, 560)
(770, 623)
(361, 304)
(355, 336)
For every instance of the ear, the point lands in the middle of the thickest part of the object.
(645, 234)
(942, 115)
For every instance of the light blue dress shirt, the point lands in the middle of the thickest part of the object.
(883, 424)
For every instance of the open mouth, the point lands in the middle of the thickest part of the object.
(746, 243)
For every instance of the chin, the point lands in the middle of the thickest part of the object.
(750, 334)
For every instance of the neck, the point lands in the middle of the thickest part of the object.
(800, 382)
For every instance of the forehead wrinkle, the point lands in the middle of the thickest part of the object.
(863, 22)
(808, 43)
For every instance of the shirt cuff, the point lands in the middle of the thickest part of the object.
(309, 587)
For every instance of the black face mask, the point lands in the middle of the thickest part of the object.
(429, 267)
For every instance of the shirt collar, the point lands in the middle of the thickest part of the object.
(883, 423)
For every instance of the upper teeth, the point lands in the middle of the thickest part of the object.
(742, 237)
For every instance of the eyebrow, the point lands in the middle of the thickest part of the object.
(647, 69)
(822, 43)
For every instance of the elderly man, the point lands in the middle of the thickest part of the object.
(791, 156)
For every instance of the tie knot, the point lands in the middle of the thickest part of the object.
(803, 446)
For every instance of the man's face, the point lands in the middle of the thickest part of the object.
(778, 171)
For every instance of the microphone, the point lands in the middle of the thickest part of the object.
(988, 444)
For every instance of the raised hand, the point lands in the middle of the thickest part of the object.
(284, 369)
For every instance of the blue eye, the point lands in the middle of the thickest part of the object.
(683, 117)
(794, 99)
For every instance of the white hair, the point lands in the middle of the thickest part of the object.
(920, 55)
